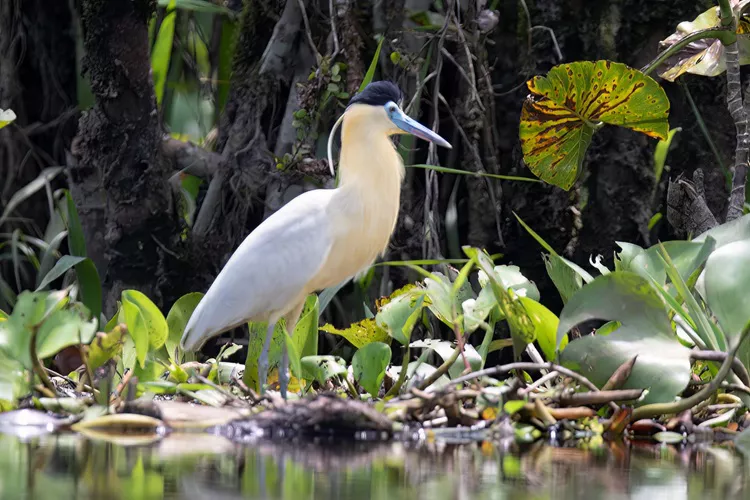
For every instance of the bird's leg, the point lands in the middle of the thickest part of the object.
(284, 368)
(263, 359)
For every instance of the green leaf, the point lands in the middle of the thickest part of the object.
(369, 364)
(306, 330)
(545, 327)
(105, 346)
(359, 334)
(293, 352)
(724, 234)
(86, 272)
(177, 319)
(7, 116)
(13, 381)
(477, 310)
(373, 65)
(322, 368)
(660, 153)
(399, 316)
(146, 324)
(567, 106)
(513, 406)
(663, 364)
(521, 328)
(162, 52)
(63, 328)
(726, 280)
(61, 267)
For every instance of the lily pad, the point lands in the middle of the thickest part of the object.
(663, 364)
(566, 107)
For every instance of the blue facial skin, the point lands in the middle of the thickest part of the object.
(402, 121)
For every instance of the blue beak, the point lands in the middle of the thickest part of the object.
(402, 121)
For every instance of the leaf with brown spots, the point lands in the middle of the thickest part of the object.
(569, 104)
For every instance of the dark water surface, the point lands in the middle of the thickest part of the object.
(201, 466)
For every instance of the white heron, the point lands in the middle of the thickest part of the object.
(319, 239)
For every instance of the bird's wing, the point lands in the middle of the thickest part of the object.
(268, 270)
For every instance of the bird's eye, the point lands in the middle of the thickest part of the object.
(392, 108)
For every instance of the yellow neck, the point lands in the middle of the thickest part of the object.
(369, 159)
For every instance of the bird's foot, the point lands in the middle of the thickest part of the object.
(284, 372)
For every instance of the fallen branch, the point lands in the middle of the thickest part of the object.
(191, 159)
(600, 397)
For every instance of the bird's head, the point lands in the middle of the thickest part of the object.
(379, 104)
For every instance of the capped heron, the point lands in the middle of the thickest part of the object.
(320, 238)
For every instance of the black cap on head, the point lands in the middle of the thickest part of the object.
(378, 94)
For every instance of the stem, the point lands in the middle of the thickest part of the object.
(442, 369)
(401, 376)
(724, 35)
(736, 203)
(37, 364)
(656, 409)
(727, 16)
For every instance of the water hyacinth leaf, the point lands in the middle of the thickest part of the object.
(663, 364)
(687, 257)
(726, 274)
(64, 328)
(477, 310)
(359, 334)
(564, 277)
(736, 230)
(417, 371)
(106, 346)
(445, 350)
(153, 319)
(545, 326)
(132, 317)
(399, 316)
(559, 119)
(178, 317)
(369, 365)
(7, 116)
(512, 278)
(13, 381)
(322, 368)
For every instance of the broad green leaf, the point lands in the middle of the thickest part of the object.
(162, 52)
(7, 116)
(61, 267)
(439, 291)
(726, 278)
(736, 230)
(660, 152)
(177, 319)
(417, 371)
(63, 328)
(322, 368)
(373, 66)
(567, 106)
(369, 364)
(512, 278)
(153, 319)
(359, 334)
(293, 353)
(545, 325)
(13, 381)
(687, 256)
(105, 346)
(663, 364)
(306, 330)
(445, 350)
(399, 316)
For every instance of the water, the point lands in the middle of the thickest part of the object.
(201, 466)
